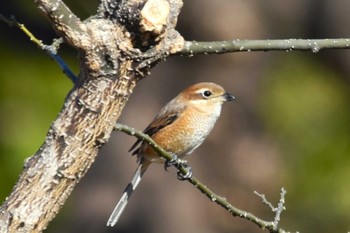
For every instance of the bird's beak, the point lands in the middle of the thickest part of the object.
(229, 97)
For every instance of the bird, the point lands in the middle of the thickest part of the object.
(180, 127)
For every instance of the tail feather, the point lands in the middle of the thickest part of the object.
(118, 210)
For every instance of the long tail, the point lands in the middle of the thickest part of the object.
(118, 210)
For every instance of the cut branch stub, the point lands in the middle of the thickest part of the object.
(146, 22)
(154, 15)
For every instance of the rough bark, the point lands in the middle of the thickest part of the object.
(115, 50)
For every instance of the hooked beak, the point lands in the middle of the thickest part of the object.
(229, 97)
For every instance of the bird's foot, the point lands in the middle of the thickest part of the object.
(171, 162)
(180, 164)
(181, 175)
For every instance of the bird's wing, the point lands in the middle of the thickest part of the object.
(156, 125)
(166, 117)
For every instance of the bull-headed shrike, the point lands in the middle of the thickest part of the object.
(179, 128)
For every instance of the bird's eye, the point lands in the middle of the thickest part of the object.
(206, 94)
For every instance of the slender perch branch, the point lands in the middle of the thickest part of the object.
(269, 225)
(218, 47)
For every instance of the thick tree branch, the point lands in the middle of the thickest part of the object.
(271, 226)
(217, 47)
(65, 22)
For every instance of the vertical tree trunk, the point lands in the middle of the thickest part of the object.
(111, 62)
(70, 148)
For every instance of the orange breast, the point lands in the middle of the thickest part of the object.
(182, 136)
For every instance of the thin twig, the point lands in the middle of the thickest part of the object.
(280, 207)
(51, 50)
(265, 201)
(270, 226)
(277, 210)
(217, 47)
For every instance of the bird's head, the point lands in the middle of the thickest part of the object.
(206, 94)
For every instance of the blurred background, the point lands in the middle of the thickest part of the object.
(290, 125)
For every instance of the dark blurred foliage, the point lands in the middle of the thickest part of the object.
(290, 125)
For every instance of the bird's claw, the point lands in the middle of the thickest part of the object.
(170, 162)
(186, 176)
(179, 163)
